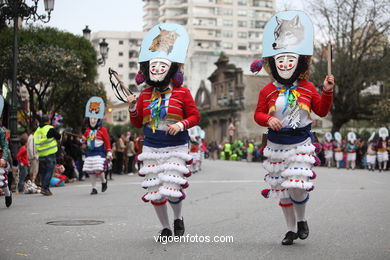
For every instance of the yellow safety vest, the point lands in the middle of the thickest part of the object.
(45, 146)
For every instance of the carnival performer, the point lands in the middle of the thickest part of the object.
(98, 148)
(338, 149)
(383, 147)
(328, 149)
(4, 166)
(284, 106)
(371, 153)
(165, 109)
(351, 150)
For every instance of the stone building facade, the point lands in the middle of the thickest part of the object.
(232, 99)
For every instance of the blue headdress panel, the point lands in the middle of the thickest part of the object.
(288, 31)
(95, 108)
(1, 105)
(165, 41)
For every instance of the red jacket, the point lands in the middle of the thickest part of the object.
(181, 108)
(22, 156)
(308, 100)
(101, 134)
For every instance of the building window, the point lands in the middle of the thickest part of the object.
(242, 35)
(227, 34)
(259, 24)
(242, 13)
(120, 42)
(120, 53)
(242, 24)
(120, 65)
(133, 54)
(228, 2)
(227, 45)
(242, 47)
(132, 65)
(242, 2)
(228, 23)
(254, 35)
(132, 75)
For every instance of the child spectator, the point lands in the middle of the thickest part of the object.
(23, 165)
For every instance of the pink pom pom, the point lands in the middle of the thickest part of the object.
(140, 78)
(177, 79)
(317, 162)
(256, 66)
(312, 188)
(262, 150)
(313, 176)
(318, 147)
(265, 193)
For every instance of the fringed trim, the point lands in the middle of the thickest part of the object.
(273, 181)
(305, 107)
(173, 179)
(285, 205)
(274, 167)
(188, 174)
(2, 177)
(275, 193)
(297, 171)
(156, 203)
(272, 109)
(150, 182)
(151, 196)
(175, 202)
(302, 157)
(277, 154)
(300, 184)
(306, 148)
(164, 155)
(170, 192)
(278, 194)
(153, 168)
(301, 202)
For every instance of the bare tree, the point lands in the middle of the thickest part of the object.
(359, 31)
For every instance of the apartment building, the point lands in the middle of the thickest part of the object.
(234, 27)
(122, 57)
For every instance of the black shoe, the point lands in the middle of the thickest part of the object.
(164, 234)
(8, 200)
(94, 191)
(178, 227)
(46, 192)
(289, 238)
(303, 230)
(104, 186)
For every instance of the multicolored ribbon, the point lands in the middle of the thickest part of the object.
(291, 95)
(92, 138)
(157, 108)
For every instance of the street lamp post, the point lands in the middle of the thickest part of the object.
(103, 46)
(13, 10)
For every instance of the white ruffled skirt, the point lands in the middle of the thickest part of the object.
(94, 164)
(165, 172)
(383, 156)
(4, 177)
(289, 166)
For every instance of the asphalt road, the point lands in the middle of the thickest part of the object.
(348, 216)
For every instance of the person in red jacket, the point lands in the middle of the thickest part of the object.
(23, 165)
(284, 106)
(165, 109)
(98, 143)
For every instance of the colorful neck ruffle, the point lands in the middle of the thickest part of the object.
(91, 139)
(290, 95)
(157, 108)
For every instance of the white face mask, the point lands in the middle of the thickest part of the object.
(286, 64)
(93, 121)
(158, 69)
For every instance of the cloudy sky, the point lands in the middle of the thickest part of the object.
(113, 15)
